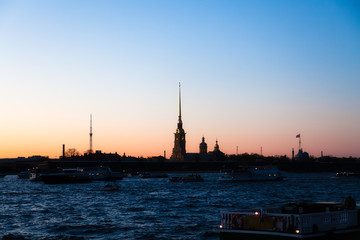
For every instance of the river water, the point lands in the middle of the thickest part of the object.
(149, 208)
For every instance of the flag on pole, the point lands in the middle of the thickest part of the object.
(298, 136)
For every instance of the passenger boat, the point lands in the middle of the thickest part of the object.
(253, 173)
(75, 175)
(187, 178)
(322, 220)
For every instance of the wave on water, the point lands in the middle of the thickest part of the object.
(152, 209)
(11, 236)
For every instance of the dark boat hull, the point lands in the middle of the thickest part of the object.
(261, 235)
(59, 179)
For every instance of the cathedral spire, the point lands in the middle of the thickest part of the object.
(179, 102)
(180, 121)
(179, 143)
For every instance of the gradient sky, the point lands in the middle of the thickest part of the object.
(253, 73)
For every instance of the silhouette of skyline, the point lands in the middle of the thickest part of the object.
(253, 73)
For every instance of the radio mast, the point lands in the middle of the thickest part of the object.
(91, 151)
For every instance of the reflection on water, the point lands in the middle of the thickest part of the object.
(149, 208)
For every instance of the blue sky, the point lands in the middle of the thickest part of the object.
(254, 74)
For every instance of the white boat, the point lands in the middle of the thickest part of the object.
(35, 175)
(102, 173)
(253, 173)
(323, 220)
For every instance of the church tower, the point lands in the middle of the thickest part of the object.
(216, 147)
(203, 146)
(179, 144)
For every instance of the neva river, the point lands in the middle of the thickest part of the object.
(149, 208)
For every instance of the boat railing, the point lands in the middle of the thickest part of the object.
(326, 221)
(274, 220)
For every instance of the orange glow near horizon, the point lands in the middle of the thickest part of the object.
(155, 143)
(248, 78)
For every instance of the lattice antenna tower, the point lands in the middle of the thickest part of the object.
(91, 150)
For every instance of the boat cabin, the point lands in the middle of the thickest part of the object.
(293, 220)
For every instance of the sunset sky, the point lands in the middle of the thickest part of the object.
(253, 74)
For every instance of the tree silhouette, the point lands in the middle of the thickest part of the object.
(71, 152)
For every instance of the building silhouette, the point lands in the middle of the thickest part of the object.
(179, 149)
(217, 154)
(203, 146)
(216, 147)
(301, 155)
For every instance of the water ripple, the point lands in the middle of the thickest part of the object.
(148, 208)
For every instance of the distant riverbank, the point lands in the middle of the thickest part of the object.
(142, 165)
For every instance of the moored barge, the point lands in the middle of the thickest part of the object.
(75, 175)
(320, 221)
(253, 174)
